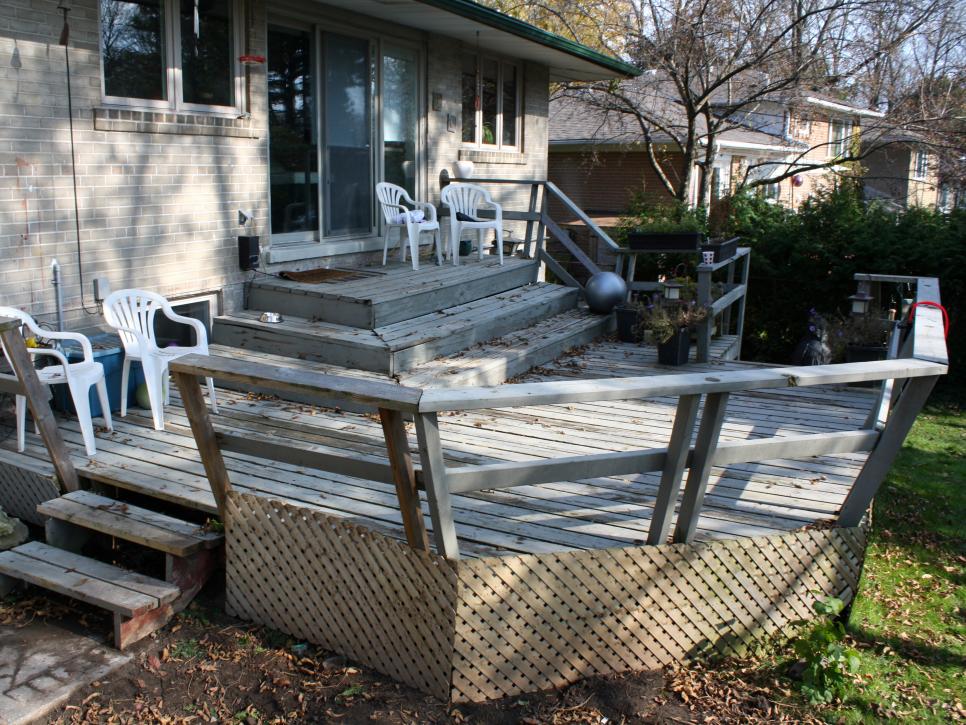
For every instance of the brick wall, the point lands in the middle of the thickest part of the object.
(158, 193)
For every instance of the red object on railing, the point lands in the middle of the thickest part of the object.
(251, 59)
(929, 303)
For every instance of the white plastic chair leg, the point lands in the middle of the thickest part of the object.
(153, 377)
(80, 394)
(105, 404)
(438, 243)
(412, 239)
(480, 238)
(125, 375)
(211, 395)
(454, 242)
(385, 245)
(499, 244)
(21, 423)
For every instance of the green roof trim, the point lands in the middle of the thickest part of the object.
(500, 21)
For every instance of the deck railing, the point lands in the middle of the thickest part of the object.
(913, 376)
(725, 310)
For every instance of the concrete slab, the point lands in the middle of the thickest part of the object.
(42, 665)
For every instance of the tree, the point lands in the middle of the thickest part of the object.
(713, 64)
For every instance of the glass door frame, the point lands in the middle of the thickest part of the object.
(378, 42)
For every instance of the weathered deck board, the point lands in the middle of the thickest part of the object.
(741, 500)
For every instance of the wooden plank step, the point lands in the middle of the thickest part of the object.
(386, 295)
(396, 348)
(496, 361)
(94, 582)
(131, 523)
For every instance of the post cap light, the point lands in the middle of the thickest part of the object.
(672, 290)
(860, 303)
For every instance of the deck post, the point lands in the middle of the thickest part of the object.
(404, 476)
(742, 303)
(204, 433)
(877, 465)
(437, 488)
(726, 313)
(532, 209)
(678, 449)
(36, 394)
(704, 327)
(700, 470)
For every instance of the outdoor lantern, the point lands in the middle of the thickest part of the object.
(672, 290)
(860, 303)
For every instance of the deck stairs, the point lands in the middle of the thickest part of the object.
(476, 324)
(140, 604)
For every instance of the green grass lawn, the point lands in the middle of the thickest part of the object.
(909, 620)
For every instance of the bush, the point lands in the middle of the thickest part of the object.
(828, 664)
(806, 260)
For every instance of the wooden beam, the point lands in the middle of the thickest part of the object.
(204, 433)
(437, 485)
(404, 477)
(794, 447)
(693, 498)
(679, 447)
(570, 245)
(370, 468)
(554, 266)
(36, 394)
(550, 187)
(300, 380)
(573, 391)
(877, 465)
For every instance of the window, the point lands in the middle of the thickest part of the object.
(170, 53)
(801, 126)
(772, 192)
(840, 138)
(491, 102)
(922, 165)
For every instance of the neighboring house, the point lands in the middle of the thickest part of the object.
(905, 172)
(599, 158)
(187, 112)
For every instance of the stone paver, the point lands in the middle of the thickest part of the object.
(41, 665)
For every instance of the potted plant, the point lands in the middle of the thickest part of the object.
(668, 228)
(669, 326)
(721, 248)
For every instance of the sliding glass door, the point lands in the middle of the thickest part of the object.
(347, 150)
(327, 145)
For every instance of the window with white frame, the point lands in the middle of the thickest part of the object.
(922, 164)
(491, 102)
(178, 54)
(801, 126)
(840, 138)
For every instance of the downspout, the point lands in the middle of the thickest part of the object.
(58, 294)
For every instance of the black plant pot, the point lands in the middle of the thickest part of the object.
(723, 248)
(665, 241)
(676, 350)
(628, 318)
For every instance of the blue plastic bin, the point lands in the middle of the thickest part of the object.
(109, 353)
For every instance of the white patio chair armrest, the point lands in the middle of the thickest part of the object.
(77, 337)
(429, 208)
(57, 354)
(198, 325)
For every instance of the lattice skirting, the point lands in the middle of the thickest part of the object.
(487, 628)
(25, 483)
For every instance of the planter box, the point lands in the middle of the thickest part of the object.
(628, 318)
(665, 241)
(723, 248)
(676, 350)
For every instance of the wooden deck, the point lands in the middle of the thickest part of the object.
(743, 500)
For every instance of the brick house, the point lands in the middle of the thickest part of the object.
(600, 159)
(185, 113)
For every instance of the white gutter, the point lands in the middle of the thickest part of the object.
(842, 108)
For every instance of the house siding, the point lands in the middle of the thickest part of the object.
(158, 192)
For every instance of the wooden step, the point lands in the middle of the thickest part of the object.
(496, 361)
(131, 523)
(396, 348)
(378, 296)
(139, 603)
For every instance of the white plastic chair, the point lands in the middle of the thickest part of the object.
(131, 312)
(79, 377)
(390, 200)
(467, 199)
